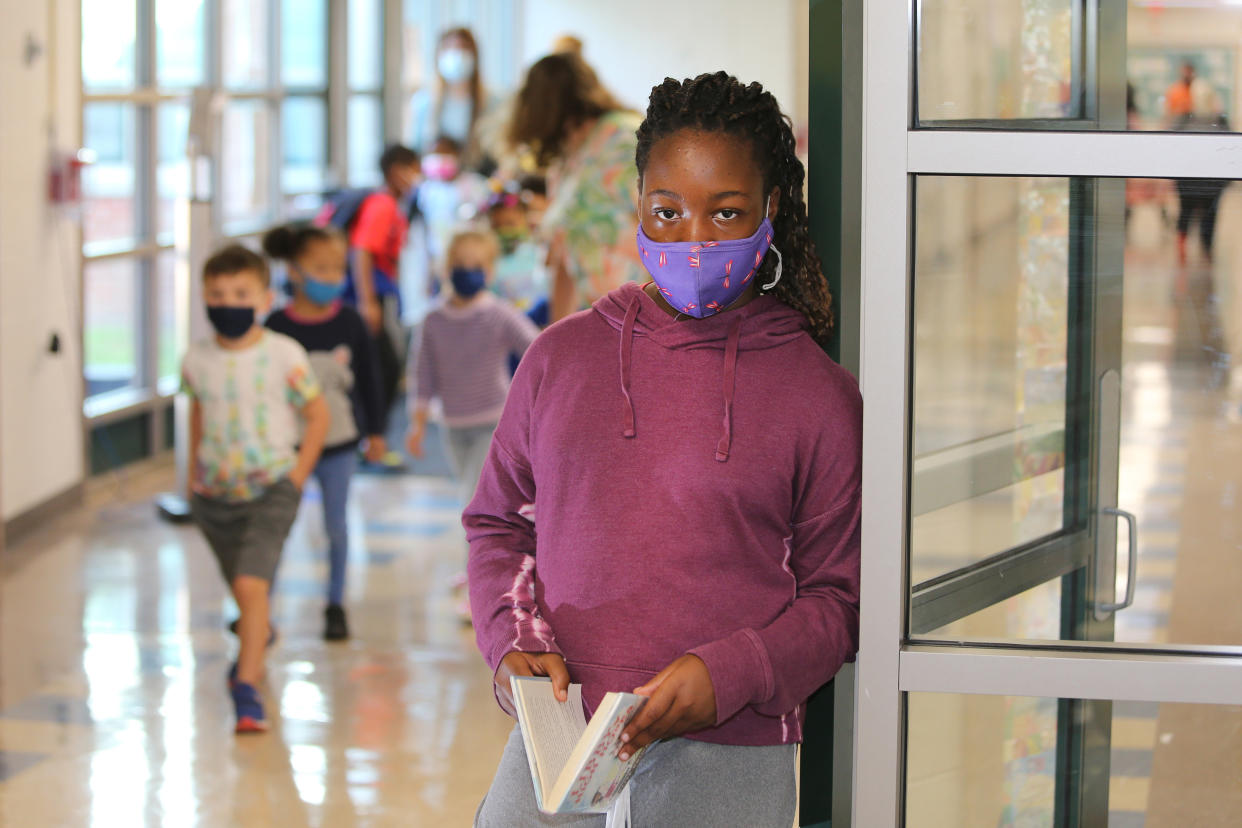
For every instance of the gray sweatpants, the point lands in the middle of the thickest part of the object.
(678, 783)
(467, 448)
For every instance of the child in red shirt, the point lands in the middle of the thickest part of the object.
(375, 243)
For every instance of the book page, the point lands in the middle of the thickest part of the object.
(551, 726)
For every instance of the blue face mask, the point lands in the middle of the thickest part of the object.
(468, 281)
(322, 293)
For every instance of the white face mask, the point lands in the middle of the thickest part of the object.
(455, 65)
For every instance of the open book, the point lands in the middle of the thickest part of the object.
(574, 762)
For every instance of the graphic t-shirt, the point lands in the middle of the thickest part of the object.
(250, 400)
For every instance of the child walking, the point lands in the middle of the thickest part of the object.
(249, 387)
(460, 356)
(343, 358)
(707, 562)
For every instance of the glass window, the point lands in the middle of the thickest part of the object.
(991, 324)
(169, 322)
(977, 761)
(113, 325)
(304, 43)
(365, 139)
(245, 43)
(981, 61)
(366, 44)
(109, 185)
(245, 163)
(173, 171)
(1000, 266)
(304, 128)
(179, 42)
(109, 35)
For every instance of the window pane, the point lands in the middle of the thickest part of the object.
(978, 761)
(991, 327)
(109, 185)
(109, 29)
(173, 172)
(979, 59)
(169, 322)
(179, 42)
(982, 59)
(113, 325)
(304, 43)
(366, 44)
(245, 42)
(996, 345)
(366, 139)
(245, 162)
(305, 144)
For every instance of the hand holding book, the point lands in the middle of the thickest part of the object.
(530, 664)
(681, 699)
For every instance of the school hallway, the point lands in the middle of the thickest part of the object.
(113, 706)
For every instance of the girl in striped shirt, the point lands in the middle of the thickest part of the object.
(460, 356)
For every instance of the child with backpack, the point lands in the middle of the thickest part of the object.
(343, 358)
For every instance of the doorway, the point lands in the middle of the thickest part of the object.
(1051, 634)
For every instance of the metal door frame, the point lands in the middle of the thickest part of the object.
(888, 665)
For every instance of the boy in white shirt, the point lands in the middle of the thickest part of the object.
(250, 387)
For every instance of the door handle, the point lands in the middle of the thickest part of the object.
(1131, 562)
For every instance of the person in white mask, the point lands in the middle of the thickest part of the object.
(452, 106)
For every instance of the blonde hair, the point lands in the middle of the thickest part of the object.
(472, 235)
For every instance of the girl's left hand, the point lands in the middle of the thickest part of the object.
(681, 699)
(377, 447)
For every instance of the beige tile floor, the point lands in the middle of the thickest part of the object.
(113, 709)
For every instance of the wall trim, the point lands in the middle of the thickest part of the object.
(24, 523)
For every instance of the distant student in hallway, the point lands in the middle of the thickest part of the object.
(249, 386)
(695, 459)
(460, 356)
(375, 239)
(343, 358)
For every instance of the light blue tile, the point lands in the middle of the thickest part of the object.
(50, 708)
(413, 530)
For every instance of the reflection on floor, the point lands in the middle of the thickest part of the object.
(113, 709)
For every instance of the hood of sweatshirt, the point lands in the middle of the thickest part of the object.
(762, 323)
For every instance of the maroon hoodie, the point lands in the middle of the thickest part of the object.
(697, 486)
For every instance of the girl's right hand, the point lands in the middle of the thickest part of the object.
(530, 664)
(414, 442)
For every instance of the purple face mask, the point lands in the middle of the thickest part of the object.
(703, 278)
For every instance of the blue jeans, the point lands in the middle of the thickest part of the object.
(333, 473)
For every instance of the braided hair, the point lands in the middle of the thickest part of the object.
(719, 102)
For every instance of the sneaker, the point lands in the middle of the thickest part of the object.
(249, 707)
(335, 627)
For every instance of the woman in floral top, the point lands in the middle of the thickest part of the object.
(577, 128)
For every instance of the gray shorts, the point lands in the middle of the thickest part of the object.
(247, 538)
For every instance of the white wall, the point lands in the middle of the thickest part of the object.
(41, 450)
(634, 45)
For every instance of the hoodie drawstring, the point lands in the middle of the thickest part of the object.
(627, 342)
(730, 375)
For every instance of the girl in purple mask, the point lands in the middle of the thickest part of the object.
(695, 458)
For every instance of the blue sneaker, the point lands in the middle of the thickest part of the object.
(249, 707)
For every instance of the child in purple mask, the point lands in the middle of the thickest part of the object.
(695, 458)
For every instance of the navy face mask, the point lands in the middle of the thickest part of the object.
(468, 281)
(229, 321)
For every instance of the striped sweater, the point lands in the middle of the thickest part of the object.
(460, 356)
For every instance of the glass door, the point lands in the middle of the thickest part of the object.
(1043, 636)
